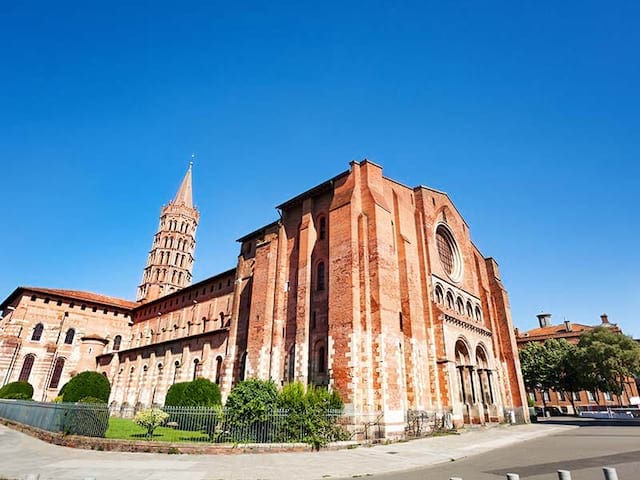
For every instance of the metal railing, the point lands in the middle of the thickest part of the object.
(195, 424)
(421, 423)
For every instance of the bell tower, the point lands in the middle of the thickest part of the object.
(170, 260)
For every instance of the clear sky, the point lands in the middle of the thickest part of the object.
(526, 113)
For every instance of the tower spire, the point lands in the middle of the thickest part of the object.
(185, 195)
(170, 260)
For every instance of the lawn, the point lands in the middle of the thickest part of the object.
(124, 428)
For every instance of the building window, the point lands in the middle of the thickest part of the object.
(561, 396)
(291, 364)
(27, 365)
(590, 396)
(607, 396)
(469, 310)
(532, 396)
(322, 228)
(37, 332)
(68, 338)
(57, 373)
(320, 279)
(450, 300)
(218, 369)
(116, 343)
(546, 396)
(576, 396)
(448, 252)
(321, 360)
(478, 314)
(460, 306)
(33, 298)
(439, 295)
(243, 366)
(197, 368)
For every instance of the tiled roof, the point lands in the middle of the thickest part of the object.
(85, 296)
(560, 330)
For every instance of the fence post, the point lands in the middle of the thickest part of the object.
(513, 476)
(610, 473)
(564, 475)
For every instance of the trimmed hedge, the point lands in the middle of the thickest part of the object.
(17, 390)
(175, 395)
(86, 384)
(198, 393)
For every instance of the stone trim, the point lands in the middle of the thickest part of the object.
(466, 325)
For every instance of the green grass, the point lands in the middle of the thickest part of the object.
(122, 428)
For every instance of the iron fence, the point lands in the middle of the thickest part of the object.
(421, 423)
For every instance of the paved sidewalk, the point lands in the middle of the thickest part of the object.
(21, 455)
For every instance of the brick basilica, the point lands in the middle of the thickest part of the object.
(364, 285)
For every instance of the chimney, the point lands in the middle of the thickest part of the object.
(604, 318)
(544, 319)
(517, 331)
(567, 326)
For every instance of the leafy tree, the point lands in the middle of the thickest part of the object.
(201, 393)
(250, 405)
(608, 360)
(554, 364)
(86, 384)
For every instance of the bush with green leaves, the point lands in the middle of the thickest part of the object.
(311, 415)
(250, 406)
(150, 419)
(198, 393)
(17, 391)
(91, 400)
(175, 394)
(86, 384)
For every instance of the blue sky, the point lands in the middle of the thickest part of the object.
(526, 113)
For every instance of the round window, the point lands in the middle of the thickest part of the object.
(448, 252)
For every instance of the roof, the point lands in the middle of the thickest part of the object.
(185, 193)
(79, 295)
(555, 330)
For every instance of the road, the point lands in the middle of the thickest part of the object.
(583, 451)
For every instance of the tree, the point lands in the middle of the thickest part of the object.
(17, 391)
(608, 360)
(553, 364)
(150, 419)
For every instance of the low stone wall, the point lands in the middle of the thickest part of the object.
(144, 446)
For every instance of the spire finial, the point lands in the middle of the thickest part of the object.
(193, 157)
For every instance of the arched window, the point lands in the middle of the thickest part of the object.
(291, 365)
(450, 301)
(322, 228)
(116, 343)
(321, 360)
(218, 369)
(197, 368)
(243, 366)
(57, 373)
(221, 319)
(459, 305)
(478, 314)
(439, 295)
(27, 365)
(68, 338)
(320, 278)
(469, 310)
(37, 332)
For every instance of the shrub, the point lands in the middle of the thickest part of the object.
(24, 389)
(175, 395)
(91, 400)
(18, 396)
(250, 405)
(86, 384)
(201, 393)
(151, 418)
(311, 415)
